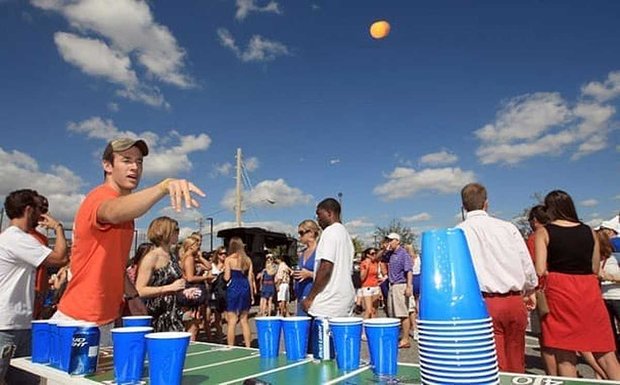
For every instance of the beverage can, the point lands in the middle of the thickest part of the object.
(84, 350)
(322, 341)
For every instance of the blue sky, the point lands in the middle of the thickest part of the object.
(521, 97)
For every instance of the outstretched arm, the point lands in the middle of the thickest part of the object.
(134, 205)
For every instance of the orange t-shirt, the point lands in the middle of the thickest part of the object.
(372, 277)
(98, 258)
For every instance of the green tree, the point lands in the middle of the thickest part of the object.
(407, 235)
(358, 245)
(521, 220)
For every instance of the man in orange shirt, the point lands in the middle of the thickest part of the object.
(103, 232)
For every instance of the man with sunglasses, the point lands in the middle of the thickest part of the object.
(20, 255)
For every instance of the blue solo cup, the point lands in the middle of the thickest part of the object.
(268, 330)
(40, 342)
(66, 329)
(54, 355)
(129, 351)
(449, 287)
(382, 335)
(296, 330)
(347, 332)
(137, 320)
(166, 357)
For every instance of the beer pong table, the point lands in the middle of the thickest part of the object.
(218, 364)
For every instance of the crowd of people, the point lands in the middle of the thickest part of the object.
(565, 274)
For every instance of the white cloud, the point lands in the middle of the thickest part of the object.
(259, 49)
(605, 91)
(359, 223)
(334, 161)
(94, 57)
(120, 33)
(60, 185)
(441, 158)
(545, 124)
(113, 107)
(222, 169)
(418, 217)
(267, 191)
(617, 197)
(164, 159)
(589, 203)
(251, 164)
(184, 216)
(244, 7)
(405, 182)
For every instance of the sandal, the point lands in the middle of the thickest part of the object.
(404, 345)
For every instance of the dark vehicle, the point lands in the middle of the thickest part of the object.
(256, 242)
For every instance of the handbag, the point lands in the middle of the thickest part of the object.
(542, 307)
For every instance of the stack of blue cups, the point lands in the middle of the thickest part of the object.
(456, 344)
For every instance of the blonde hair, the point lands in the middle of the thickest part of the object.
(161, 230)
(187, 244)
(310, 225)
(411, 250)
(236, 246)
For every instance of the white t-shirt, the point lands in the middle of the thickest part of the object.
(20, 255)
(338, 296)
(611, 290)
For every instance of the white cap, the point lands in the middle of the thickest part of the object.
(612, 224)
(393, 236)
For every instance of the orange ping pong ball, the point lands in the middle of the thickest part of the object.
(380, 29)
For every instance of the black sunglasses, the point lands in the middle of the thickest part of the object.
(302, 232)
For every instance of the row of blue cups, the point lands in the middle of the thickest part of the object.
(51, 339)
(346, 332)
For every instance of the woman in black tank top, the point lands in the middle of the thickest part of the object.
(567, 253)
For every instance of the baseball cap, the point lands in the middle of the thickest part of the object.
(611, 224)
(393, 236)
(122, 144)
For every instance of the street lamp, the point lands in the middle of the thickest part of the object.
(210, 232)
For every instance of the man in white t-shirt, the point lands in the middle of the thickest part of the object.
(332, 293)
(20, 255)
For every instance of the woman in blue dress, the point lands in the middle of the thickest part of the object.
(267, 286)
(309, 232)
(240, 277)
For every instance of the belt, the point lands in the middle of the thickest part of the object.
(500, 295)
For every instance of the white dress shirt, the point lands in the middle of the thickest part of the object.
(499, 254)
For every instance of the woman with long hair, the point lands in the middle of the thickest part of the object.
(370, 269)
(567, 254)
(190, 259)
(217, 300)
(239, 274)
(309, 232)
(160, 278)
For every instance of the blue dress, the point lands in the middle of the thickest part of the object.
(302, 288)
(268, 289)
(238, 292)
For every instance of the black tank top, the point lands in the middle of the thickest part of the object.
(570, 249)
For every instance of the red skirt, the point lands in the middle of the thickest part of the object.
(577, 318)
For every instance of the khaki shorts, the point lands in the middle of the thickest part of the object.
(398, 303)
(370, 291)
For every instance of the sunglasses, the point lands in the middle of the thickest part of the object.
(303, 232)
(372, 253)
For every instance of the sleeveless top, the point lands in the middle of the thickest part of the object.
(570, 249)
(165, 309)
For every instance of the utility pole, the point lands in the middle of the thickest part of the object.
(210, 232)
(200, 220)
(238, 197)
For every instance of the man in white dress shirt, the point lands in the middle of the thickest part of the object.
(505, 274)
